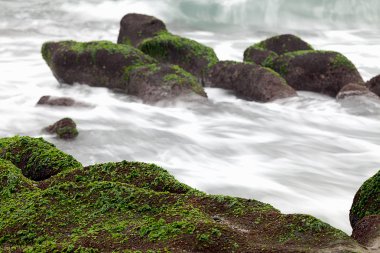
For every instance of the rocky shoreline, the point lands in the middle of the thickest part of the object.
(51, 203)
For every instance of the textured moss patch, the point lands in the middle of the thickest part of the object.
(367, 200)
(36, 158)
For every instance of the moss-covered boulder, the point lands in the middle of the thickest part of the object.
(36, 158)
(65, 128)
(97, 63)
(120, 67)
(324, 72)
(367, 200)
(134, 28)
(355, 90)
(250, 81)
(138, 207)
(274, 46)
(190, 55)
(156, 82)
(374, 85)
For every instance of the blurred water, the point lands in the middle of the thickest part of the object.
(303, 155)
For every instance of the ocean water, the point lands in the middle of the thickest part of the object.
(307, 154)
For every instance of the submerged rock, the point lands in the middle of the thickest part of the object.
(64, 128)
(36, 158)
(58, 101)
(367, 200)
(105, 64)
(250, 81)
(132, 206)
(324, 72)
(374, 85)
(367, 232)
(354, 90)
(188, 54)
(134, 28)
(274, 46)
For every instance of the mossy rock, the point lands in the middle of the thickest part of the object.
(65, 129)
(139, 207)
(37, 159)
(271, 48)
(367, 200)
(324, 72)
(157, 82)
(12, 181)
(190, 55)
(134, 28)
(96, 63)
(250, 81)
(142, 175)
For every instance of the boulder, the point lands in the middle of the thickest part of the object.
(250, 81)
(133, 206)
(12, 181)
(190, 55)
(97, 63)
(36, 158)
(374, 85)
(355, 90)
(367, 232)
(156, 82)
(367, 200)
(134, 28)
(274, 46)
(324, 72)
(104, 64)
(64, 128)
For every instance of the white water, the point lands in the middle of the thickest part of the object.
(303, 155)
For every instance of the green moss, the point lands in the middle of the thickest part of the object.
(11, 180)
(367, 199)
(36, 158)
(94, 47)
(182, 77)
(342, 61)
(158, 47)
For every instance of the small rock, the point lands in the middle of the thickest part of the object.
(64, 128)
(374, 85)
(56, 101)
(354, 90)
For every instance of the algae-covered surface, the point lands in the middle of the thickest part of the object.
(139, 207)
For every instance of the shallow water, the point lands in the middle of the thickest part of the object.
(308, 154)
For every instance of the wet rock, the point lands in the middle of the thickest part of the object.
(324, 72)
(64, 128)
(274, 46)
(105, 64)
(366, 201)
(134, 28)
(59, 101)
(97, 63)
(36, 158)
(250, 81)
(156, 82)
(355, 90)
(190, 55)
(137, 206)
(367, 232)
(374, 85)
